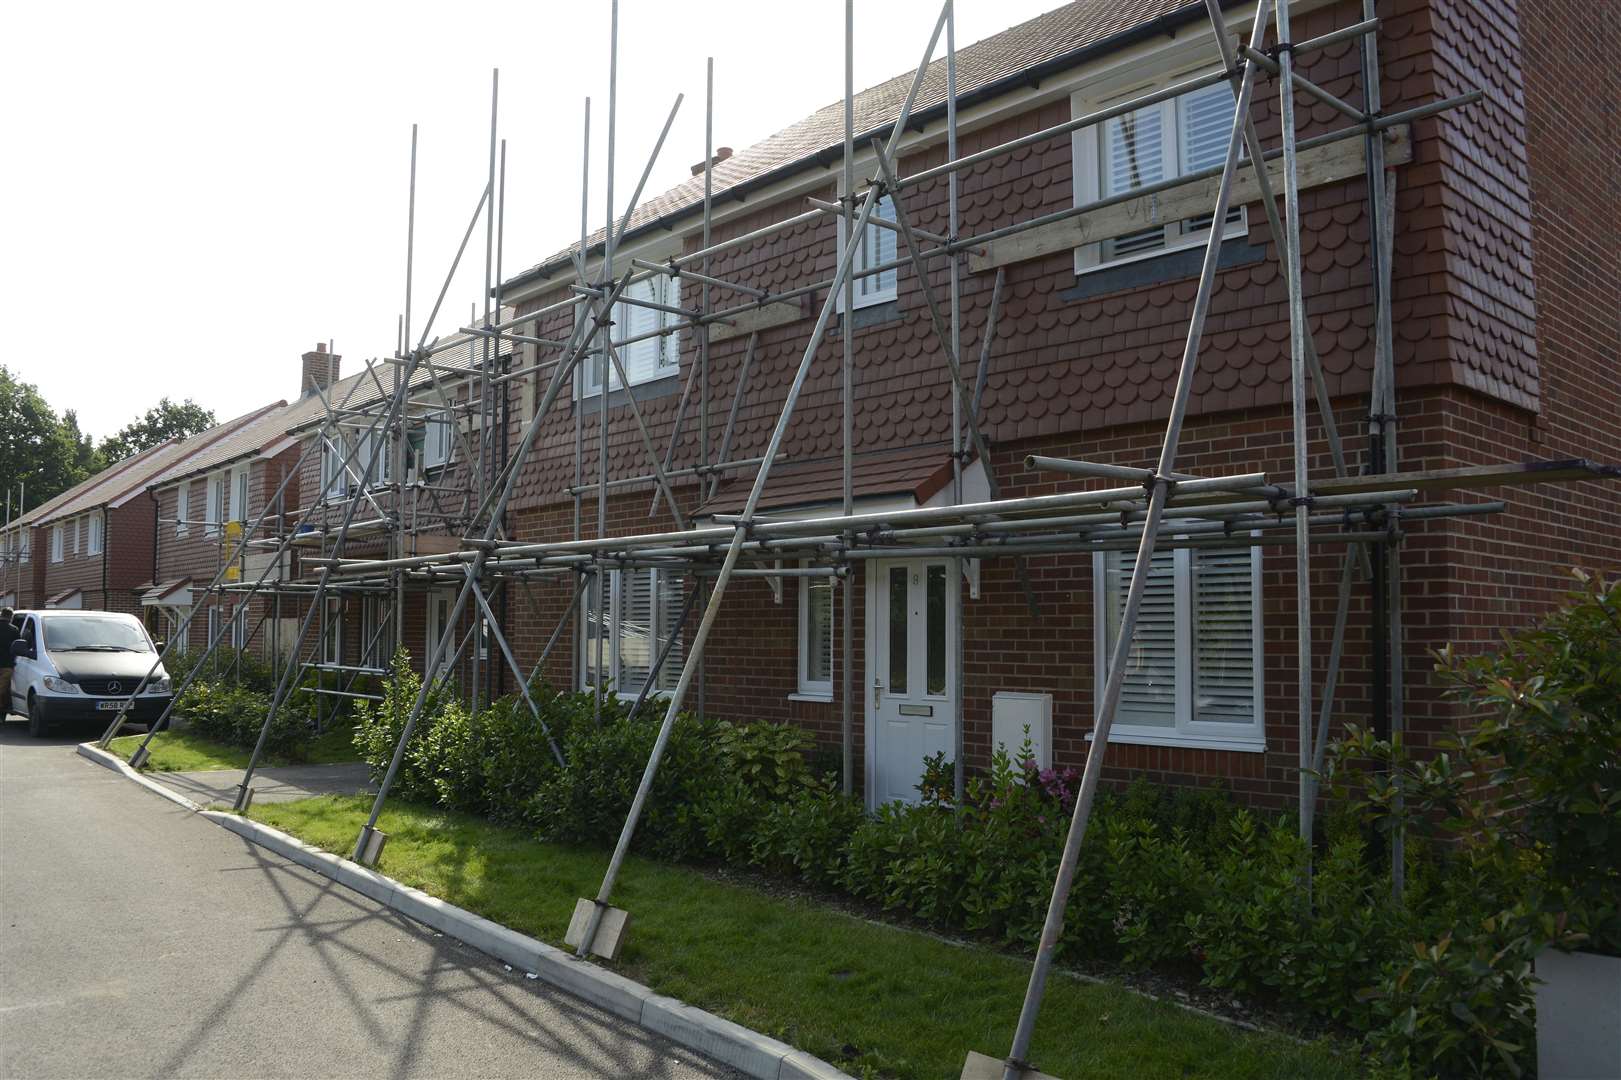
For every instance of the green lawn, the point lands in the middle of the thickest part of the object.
(908, 1004)
(185, 751)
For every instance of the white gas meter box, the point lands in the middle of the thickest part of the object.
(1011, 711)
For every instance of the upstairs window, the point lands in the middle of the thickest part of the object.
(1193, 674)
(95, 538)
(438, 436)
(366, 442)
(239, 494)
(334, 477)
(1148, 146)
(656, 354)
(641, 610)
(219, 497)
(73, 536)
(26, 540)
(182, 509)
(876, 247)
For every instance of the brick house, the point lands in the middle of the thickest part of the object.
(93, 545)
(1505, 299)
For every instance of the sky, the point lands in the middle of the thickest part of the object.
(193, 195)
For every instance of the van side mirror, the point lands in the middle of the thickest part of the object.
(22, 649)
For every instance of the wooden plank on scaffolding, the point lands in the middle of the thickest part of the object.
(1319, 166)
(777, 313)
(1472, 476)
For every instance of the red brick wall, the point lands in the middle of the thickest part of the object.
(1505, 302)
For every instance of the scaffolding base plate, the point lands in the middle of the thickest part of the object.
(985, 1067)
(610, 932)
(138, 759)
(371, 849)
(244, 798)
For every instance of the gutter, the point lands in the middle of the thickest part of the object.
(1166, 24)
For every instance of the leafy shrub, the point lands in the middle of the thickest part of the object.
(807, 834)
(378, 725)
(588, 802)
(1463, 1007)
(235, 715)
(1549, 749)
(769, 759)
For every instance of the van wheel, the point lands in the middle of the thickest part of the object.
(38, 727)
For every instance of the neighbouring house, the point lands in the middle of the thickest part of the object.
(1506, 290)
(92, 546)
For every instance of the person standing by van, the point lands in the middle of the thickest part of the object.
(8, 634)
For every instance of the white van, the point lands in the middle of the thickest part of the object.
(82, 665)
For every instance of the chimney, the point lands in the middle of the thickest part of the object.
(721, 154)
(320, 370)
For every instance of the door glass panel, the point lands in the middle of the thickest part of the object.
(898, 610)
(936, 626)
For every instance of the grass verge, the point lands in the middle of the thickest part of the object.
(185, 751)
(875, 1000)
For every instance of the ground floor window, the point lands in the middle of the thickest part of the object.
(1193, 674)
(631, 628)
(332, 632)
(816, 637)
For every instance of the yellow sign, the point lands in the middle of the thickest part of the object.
(233, 548)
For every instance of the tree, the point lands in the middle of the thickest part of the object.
(45, 453)
(165, 420)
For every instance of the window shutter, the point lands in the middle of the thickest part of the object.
(819, 630)
(639, 358)
(1224, 636)
(636, 630)
(1148, 695)
(1206, 125)
(670, 596)
(1134, 156)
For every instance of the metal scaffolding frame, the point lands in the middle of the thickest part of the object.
(1146, 510)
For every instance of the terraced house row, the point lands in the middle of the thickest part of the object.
(1505, 293)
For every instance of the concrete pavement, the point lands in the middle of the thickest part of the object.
(278, 784)
(137, 939)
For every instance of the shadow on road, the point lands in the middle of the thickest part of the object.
(477, 987)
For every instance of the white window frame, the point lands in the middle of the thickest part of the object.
(664, 617)
(1087, 176)
(182, 505)
(216, 497)
(213, 622)
(1186, 732)
(96, 534)
(334, 477)
(57, 542)
(373, 648)
(877, 288)
(239, 627)
(644, 361)
(382, 471)
(332, 637)
(25, 545)
(438, 439)
(240, 477)
(811, 689)
(73, 537)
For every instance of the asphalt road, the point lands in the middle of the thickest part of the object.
(139, 940)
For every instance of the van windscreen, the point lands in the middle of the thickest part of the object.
(77, 633)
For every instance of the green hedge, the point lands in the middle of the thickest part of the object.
(1438, 985)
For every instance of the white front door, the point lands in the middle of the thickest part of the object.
(911, 672)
